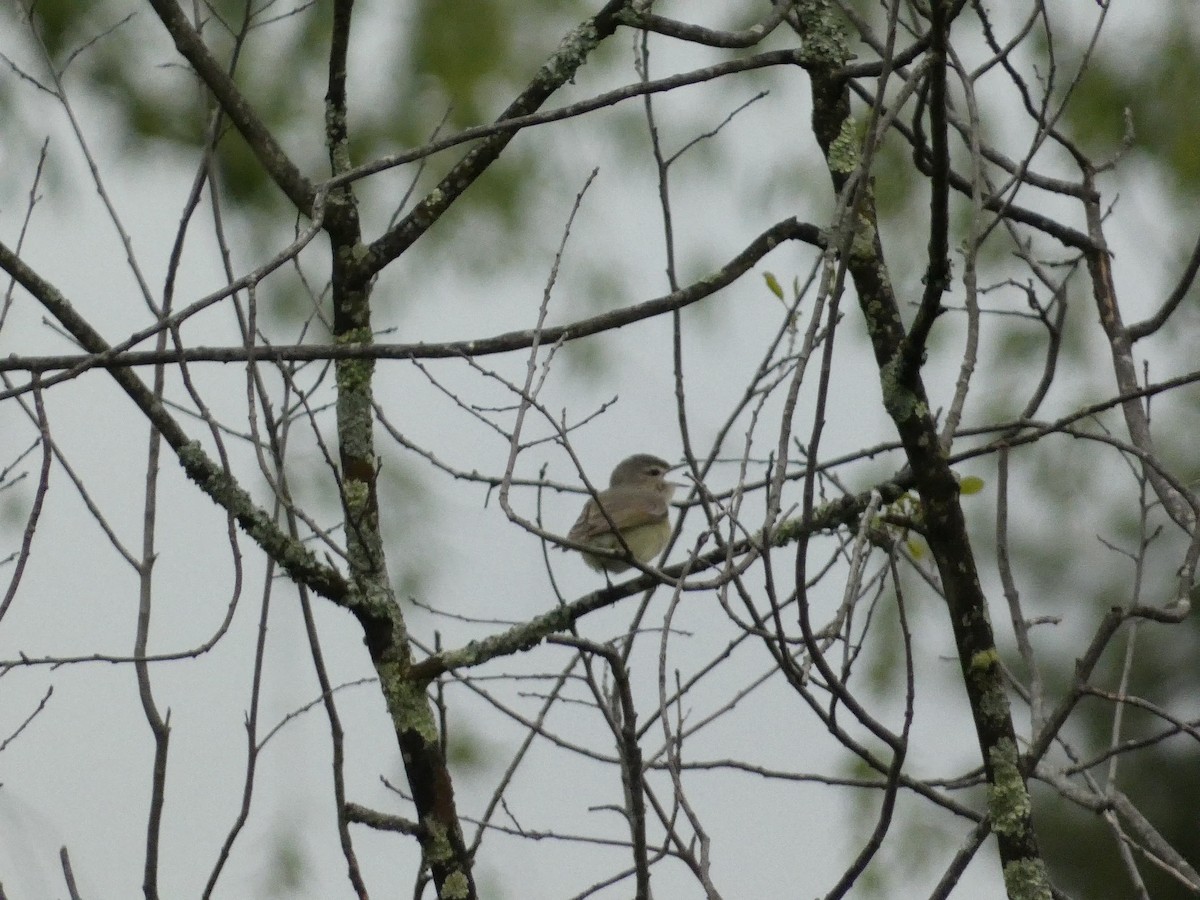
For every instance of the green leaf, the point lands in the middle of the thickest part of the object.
(971, 484)
(773, 284)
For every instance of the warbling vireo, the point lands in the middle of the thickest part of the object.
(636, 503)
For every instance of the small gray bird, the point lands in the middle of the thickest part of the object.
(636, 503)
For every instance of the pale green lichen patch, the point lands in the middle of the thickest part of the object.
(788, 531)
(1027, 879)
(354, 375)
(360, 335)
(350, 253)
(825, 42)
(571, 54)
(863, 249)
(440, 852)
(993, 705)
(900, 402)
(456, 886)
(1008, 798)
(518, 638)
(862, 244)
(438, 848)
(984, 673)
(409, 706)
(357, 494)
(984, 660)
(843, 153)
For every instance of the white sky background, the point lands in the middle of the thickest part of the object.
(80, 775)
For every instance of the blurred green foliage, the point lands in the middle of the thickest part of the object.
(449, 65)
(286, 867)
(1158, 84)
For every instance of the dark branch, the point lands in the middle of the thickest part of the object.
(1146, 328)
(263, 144)
(789, 229)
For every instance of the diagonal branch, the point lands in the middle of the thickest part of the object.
(787, 230)
(937, 273)
(555, 72)
(510, 126)
(1178, 505)
(296, 559)
(263, 144)
(907, 402)
(1139, 330)
(837, 513)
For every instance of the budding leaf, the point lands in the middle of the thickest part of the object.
(773, 284)
(971, 484)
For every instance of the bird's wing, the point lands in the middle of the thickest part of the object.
(634, 506)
